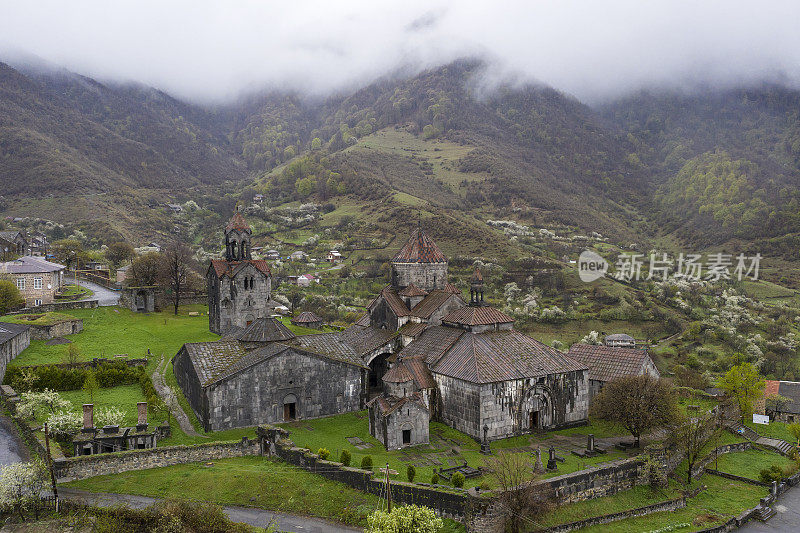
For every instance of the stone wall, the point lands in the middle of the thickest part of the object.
(450, 502)
(113, 463)
(317, 387)
(61, 306)
(721, 450)
(510, 407)
(460, 405)
(12, 348)
(670, 505)
(230, 304)
(66, 327)
(426, 276)
(599, 481)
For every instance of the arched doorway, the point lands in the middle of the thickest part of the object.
(539, 412)
(289, 408)
(377, 368)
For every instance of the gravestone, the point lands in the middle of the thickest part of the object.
(538, 467)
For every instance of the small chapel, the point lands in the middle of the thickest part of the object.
(239, 287)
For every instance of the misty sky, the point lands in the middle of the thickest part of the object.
(595, 49)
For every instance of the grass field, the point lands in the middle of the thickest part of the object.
(722, 499)
(448, 446)
(111, 330)
(773, 430)
(248, 481)
(748, 464)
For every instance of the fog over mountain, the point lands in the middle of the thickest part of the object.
(213, 52)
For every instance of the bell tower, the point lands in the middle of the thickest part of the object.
(476, 289)
(237, 239)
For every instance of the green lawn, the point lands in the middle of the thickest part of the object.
(773, 430)
(248, 481)
(111, 330)
(447, 445)
(38, 319)
(123, 397)
(76, 292)
(722, 499)
(748, 464)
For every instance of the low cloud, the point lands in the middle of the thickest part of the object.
(215, 51)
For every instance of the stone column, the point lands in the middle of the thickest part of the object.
(590, 442)
(88, 417)
(141, 424)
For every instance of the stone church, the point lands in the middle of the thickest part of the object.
(435, 356)
(239, 287)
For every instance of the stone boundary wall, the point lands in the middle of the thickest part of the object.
(85, 466)
(737, 478)
(599, 481)
(59, 329)
(59, 306)
(669, 505)
(450, 503)
(720, 450)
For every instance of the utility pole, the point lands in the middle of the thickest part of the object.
(388, 491)
(50, 463)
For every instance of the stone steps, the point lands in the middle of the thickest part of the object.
(764, 513)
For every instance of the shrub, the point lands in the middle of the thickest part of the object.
(435, 479)
(345, 458)
(773, 473)
(323, 453)
(58, 378)
(404, 518)
(366, 462)
(410, 473)
(458, 480)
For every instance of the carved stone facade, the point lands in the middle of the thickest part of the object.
(239, 287)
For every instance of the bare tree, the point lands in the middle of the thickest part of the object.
(521, 498)
(144, 270)
(176, 271)
(637, 403)
(690, 433)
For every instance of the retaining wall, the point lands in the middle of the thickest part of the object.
(670, 505)
(84, 466)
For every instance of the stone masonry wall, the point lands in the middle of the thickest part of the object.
(113, 463)
(426, 276)
(317, 386)
(67, 327)
(559, 399)
(12, 348)
(460, 403)
(230, 304)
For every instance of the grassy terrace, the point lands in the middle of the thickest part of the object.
(748, 464)
(110, 330)
(448, 447)
(249, 481)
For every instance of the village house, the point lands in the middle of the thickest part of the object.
(607, 363)
(620, 340)
(38, 245)
(299, 255)
(38, 280)
(334, 256)
(272, 255)
(13, 243)
(787, 409)
(306, 280)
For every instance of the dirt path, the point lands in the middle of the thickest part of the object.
(169, 398)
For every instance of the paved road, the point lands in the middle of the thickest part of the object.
(105, 297)
(247, 515)
(12, 450)
(787, 519)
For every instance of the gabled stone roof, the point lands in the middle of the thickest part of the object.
(265, 330)
(231, 268)
(8, 330)
(433, 302)
(29, 265)
(419, 249)
(417, 370)
(412, 291)
(502, 356)
(477, 316)
(389, 404)
(607, 363)
(211, 359)
(306, 317)
(238, 223)
(399, 373)
(395, 303)
(365, 339)
(330, 346)
(412, 329)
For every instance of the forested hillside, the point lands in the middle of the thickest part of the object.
(707, 166)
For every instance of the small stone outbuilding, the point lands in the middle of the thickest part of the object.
(307, 319)
(138, 299)
(399, 422)
(13, 339)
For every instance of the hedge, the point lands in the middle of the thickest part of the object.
(54, 377)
